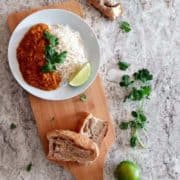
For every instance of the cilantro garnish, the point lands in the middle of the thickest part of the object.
(53, 40)
(133, 141)
(12, 126)
(52, 56)
(139, 94)
(136, 93)
(143, 75)
(83, 97)
(48, 67)
(125, 81)
(29, 167)
(124, 125)
(125, 26)
(123, 65)
(138, 122)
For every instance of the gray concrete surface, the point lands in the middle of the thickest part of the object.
(154, 43)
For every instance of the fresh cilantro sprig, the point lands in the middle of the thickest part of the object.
(48, 67)
(123, 65)
(52, 56)
(140, 93)
(134, 141)
(143, 75)
(138, 122)
(83, 97)
(124, 125)
(125, 26)
(53, 40)
(13, 126)
(126, 81)
(29, 167)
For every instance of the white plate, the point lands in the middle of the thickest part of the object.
(55, 16)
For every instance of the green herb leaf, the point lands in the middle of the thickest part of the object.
(139, 94)
(139, 115)
(53, 40)
(123, 65)
(136, 95)
(139, 120)
(52, 56)
(12, 126)
(124, 125)
(125, 26)
(83, 97)
(48, 67)
(59, 58)
(125, 81)
(146, 91)
(134, 114)
(142, 117)
(49, 52)
(137, 124)
(133, 141)
(143, 75)
(29, 167)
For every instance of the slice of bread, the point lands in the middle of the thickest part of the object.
(93, 128)
(65, 145)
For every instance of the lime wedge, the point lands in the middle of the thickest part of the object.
(81, 76)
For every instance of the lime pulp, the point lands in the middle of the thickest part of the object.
(81, 76)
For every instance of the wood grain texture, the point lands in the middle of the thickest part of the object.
(66, 114)
(70, 5)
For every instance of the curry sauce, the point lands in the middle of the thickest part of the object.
(31, 58)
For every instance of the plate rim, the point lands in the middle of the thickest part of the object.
(37, 94)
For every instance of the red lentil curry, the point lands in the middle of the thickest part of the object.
(31, 58)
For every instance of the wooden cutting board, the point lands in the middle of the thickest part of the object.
(51, 115)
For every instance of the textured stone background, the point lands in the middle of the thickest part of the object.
(154, 42)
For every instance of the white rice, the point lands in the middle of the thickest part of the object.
(70, 41)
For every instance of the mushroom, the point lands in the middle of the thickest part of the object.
(108, 8)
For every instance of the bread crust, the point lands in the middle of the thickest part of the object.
(83, 121)
(78, 139)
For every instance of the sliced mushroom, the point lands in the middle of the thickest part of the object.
(110, 4)
(107, 8)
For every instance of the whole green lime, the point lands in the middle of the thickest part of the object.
(127, 170)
